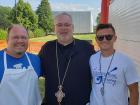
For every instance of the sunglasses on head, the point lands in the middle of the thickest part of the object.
(107, 37)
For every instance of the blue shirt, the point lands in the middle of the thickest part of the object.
(12, 61)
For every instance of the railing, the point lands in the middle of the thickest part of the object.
(34, 47)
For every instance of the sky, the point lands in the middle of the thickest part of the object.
(63, 5)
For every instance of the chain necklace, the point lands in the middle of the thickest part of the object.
(60, 94)
(103, 82)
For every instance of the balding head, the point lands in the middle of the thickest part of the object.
(64, 28)
(61, 15)
(17, 40)
(16, 26)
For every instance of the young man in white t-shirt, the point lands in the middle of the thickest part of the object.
(113, 73)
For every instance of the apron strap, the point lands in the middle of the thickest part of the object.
(5, 61)
(28, 60)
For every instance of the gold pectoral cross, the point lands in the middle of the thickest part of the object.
(60, 94)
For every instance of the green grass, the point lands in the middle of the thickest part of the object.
(43, 39)
(42, 86)
(52, 37)
(85, 37)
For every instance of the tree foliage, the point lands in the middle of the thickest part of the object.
(4, 17)
(98, 18)
(45, 20)
(23, 14)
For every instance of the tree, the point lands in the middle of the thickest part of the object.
(98, 18)
(45, 20)
(4, 17)
(23, 14)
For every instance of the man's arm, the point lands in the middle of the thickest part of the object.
(134, 93)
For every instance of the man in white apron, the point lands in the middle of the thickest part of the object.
(19, 70)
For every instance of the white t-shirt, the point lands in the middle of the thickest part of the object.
(122, 73)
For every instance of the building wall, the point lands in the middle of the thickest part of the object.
(83, 20)
(125, 16)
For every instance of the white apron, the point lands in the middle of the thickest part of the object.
(19, 86)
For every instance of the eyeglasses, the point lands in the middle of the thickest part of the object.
(107, 37)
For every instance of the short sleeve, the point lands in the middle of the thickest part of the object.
(36, 64)
(131, 73)
(38, 69)
(41, 55)
(2, 65)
